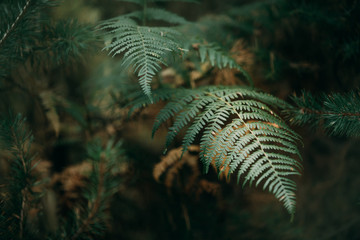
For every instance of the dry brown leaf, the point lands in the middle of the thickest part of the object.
(208, 187)
(71, 181)
(243, 56)
(171, 165)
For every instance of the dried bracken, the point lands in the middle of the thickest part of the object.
(70, 182)
(172, 166)
(172, 163)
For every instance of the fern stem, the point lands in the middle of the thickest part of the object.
(13, 25)
(145, 61)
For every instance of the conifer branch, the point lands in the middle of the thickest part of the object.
(17, 140)
(100, 188)
(13, 25)
(21, 223)
(304, 110)
(96, 204)
(338, 114)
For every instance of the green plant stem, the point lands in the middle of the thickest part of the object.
(19, 147)
(317, 112)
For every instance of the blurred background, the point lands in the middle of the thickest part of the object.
(286, 46)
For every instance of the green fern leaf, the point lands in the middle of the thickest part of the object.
(144, 48)
(240, 133)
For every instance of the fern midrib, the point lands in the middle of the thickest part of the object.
(12, 27)
(257, 139)
(145, 51)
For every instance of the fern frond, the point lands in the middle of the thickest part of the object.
(240, 133)
(338, 114)
(144, 48)
(220, 59)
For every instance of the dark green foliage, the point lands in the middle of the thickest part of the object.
(87, 221)
(26, 32)
(90, 222)
(157, 14)
(18, 196)
(239, 132)
(64, 42)
(337, 113)
(19, 29)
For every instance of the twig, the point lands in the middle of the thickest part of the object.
(186, 217)
(21, 223)
(19, 148)
(312, 111)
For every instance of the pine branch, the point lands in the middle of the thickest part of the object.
(338, 114)
(99, 191)
(17, 140)
(13, 25)
(95, 205)
(20, 27)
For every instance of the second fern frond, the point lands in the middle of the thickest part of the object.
(144, 48)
